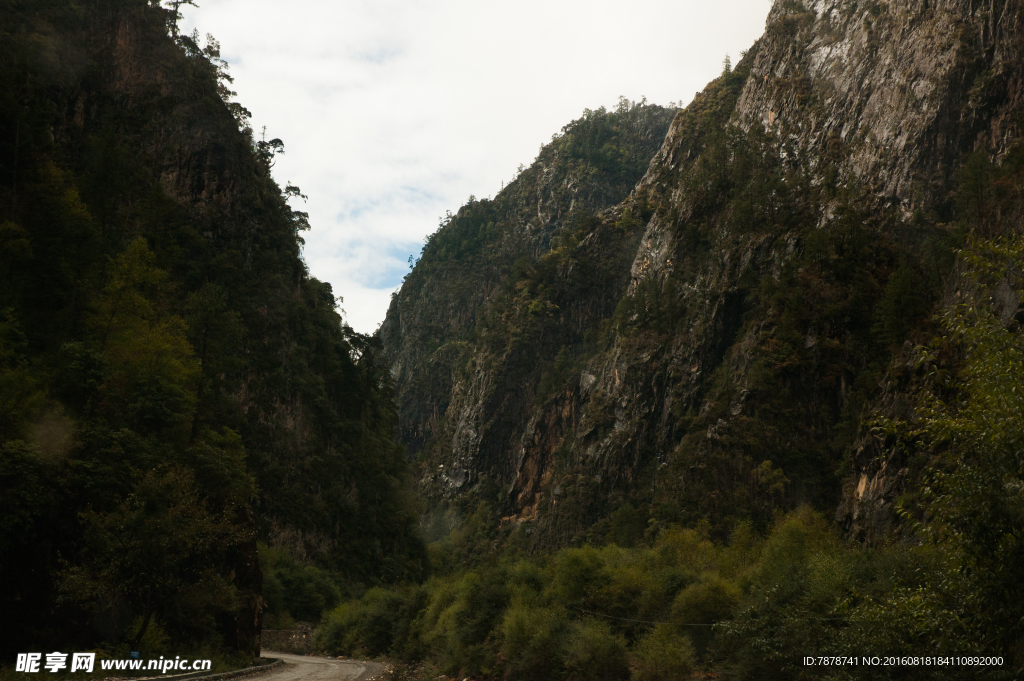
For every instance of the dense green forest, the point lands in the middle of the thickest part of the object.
(179, 400)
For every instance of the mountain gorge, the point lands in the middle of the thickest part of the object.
(759, 402)
(700, 393)
(713, 345)
(460, 309)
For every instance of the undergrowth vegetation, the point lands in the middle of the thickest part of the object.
(749, 608)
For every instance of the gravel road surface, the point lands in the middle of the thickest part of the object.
(305, 668)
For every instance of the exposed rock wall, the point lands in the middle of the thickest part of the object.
(841, 132)
(430, 322)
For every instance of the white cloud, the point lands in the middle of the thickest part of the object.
(394, 111)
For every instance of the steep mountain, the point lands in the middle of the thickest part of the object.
(591, 165)
(718, 345)
(175, 387)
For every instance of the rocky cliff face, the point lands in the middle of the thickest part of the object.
(713, 346)
(592, 165)
(908, 87)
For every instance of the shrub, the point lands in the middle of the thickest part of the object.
(338, 634)
(461, 632)
(663, 654)
(532, 643)
(595, 654)
(578, 573)
(627, 526)
(378, 623)
(379, 613)
(294, 589)
(709, 601)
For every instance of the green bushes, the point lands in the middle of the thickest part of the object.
(700, 605)
(532, 642)
(378, 623)
(450, 621)
(663, 654)
(595, 653)
(540, 643)
(293, 590)
(371, 624)
(460, 633)
(582, 613)
(750, 608)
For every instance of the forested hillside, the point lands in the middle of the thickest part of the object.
(175, 389)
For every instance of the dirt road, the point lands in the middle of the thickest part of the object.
(304, 668)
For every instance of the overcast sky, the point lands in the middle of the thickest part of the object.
(395, 111)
